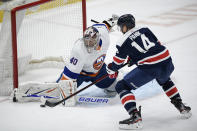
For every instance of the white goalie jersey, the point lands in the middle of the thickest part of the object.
(82, 62)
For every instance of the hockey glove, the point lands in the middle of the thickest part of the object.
(111, 22)
(130, 62)
(112, 74)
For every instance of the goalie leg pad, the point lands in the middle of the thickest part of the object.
(67, 88)
(32, 91)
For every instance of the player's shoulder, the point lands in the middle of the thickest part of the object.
(126, 37)
(144, 29)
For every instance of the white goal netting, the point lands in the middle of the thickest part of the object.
(45, 34)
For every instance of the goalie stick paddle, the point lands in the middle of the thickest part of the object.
(53, 104)
(94, 21)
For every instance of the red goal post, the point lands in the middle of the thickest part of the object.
(15, 42)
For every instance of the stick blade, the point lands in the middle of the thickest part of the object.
(50, 104)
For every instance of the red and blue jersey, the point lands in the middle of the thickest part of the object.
(144, 49)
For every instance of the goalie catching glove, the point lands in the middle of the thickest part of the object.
(111, 22)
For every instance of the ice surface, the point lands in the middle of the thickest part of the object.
(157, 111)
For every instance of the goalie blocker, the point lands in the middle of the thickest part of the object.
(34, 91)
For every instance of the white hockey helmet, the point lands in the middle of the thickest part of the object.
(91, 38)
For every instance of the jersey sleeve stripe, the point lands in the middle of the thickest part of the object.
(70, 74)
(91, 75)
(64, 77)
(102, 24)
(100, 44)
(118, 60)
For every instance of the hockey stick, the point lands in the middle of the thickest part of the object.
(80, 99)
(94, 21)
(53, 104)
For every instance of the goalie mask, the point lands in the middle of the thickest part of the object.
(91, 38)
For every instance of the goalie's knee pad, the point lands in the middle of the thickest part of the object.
(67, 88)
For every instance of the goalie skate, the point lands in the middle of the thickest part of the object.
(132, 123)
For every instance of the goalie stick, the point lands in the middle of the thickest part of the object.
(94, 21)
(114, 16)
(53, 104)
(80, 99)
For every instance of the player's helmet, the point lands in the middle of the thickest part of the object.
(91, 38)
(127, 20)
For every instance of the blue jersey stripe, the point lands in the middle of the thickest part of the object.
(101, 25)
(70, 74)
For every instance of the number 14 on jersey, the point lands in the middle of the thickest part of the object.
(145, 42)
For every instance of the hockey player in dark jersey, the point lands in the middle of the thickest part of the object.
(141, 47)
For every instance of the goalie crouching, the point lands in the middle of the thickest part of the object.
(86, 63)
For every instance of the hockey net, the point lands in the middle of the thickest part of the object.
(34, 32)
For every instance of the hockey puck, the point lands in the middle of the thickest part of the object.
(42, 105)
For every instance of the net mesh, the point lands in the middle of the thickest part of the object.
(48, 30)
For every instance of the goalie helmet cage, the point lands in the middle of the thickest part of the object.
(39, 29)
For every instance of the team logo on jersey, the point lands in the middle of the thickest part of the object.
(99, 62)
